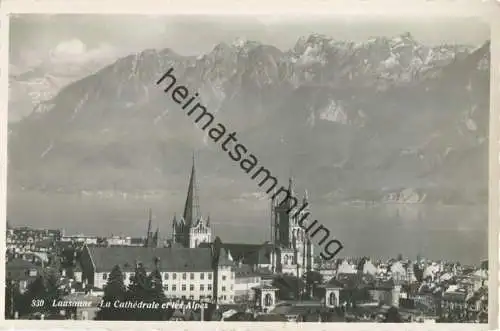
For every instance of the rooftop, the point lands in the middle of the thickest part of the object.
(170, 259)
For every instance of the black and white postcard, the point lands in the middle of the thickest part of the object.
(249, 168)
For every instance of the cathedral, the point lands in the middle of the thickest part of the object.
(290, 250)
(191, 229)
(292, 247)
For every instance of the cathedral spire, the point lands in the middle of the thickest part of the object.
(148, 234)
(291, 186)
(192, 206)
(305, 199)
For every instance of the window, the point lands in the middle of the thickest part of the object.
(268, 300)
(191, 297)
(209, 297)
(184, 276)
(183, 297)
(202, 276)
(192, 276)
(202, 297)
(223, 289)
(104, 276)
(174, 276)
(191, 287)
(209, 287)
(224, 277)
(202, 287)
(224, 297)
(166, 275)
(209, 275)
(165, 287)
(183, 287)
(174, 287)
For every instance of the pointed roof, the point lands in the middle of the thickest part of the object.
(157, 233)
(192, 206)
(149, 234)
(174, 222)
(291, 187)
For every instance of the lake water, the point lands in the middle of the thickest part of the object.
(440, 232)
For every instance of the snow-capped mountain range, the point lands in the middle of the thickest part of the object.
(32, 85)
(389, 119)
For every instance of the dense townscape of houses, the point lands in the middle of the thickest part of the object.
(279, 280)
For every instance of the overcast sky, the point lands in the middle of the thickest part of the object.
(78, 37)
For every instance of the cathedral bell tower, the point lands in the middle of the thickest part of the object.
(293, 251)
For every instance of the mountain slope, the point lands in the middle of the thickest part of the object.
(353, 121)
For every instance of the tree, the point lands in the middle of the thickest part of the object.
(392, 316)
(156, 292)
(12, 299)
(312, 279)
(140, 285)
(35, 291)
(361, 264)
(419, 273)
(52, 283)
(44, 288)
(113, 291)
(138, 290)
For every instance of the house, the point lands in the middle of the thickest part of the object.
(23, 272)
(454, 298)
(187, 272)
(254, 255)
(245, 280)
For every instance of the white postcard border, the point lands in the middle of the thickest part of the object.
(488, 10)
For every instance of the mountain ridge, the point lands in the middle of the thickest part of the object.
(371, 99)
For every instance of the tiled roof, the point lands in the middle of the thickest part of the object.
(245, 271)
(17, 264)
(45, 243)
(288, 282)
(454, 296)
(333, 283)
(251, 254)
(171, 259)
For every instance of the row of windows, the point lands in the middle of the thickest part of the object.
(191, 297)
(191, 276)
(174, 276)
(202, 297)
(191, 287)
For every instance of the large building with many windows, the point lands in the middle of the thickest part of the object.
(188, 273)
